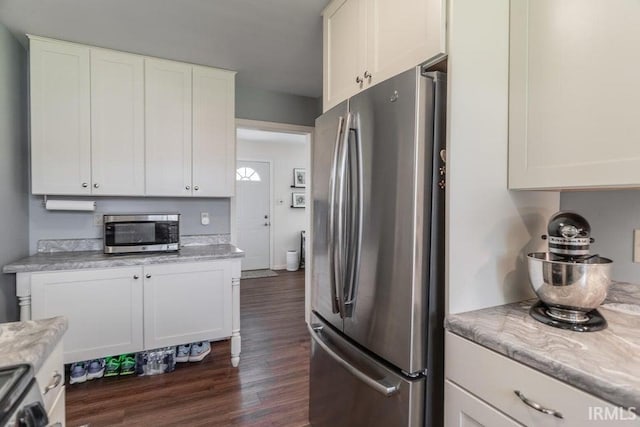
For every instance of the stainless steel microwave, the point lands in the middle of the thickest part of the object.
(130, 233)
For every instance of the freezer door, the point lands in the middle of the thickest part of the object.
(348, 388)
(393, 127)
(324, 168)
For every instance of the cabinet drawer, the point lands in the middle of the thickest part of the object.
(495, 378)
(50, 377)
(462, 409)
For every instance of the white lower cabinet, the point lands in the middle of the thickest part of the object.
(186, 303)
(103, 307)
(494, 383)
(462, 409)
(120, 310)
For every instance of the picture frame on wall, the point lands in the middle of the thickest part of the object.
(298, 200)
(299, 178)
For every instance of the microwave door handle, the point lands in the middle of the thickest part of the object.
(335, 307)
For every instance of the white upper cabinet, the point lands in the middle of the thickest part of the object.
(368, 41)
(168, 127)
(574, 91)
(214, 132)
(110, 123)
(60, 122)
(117, 123)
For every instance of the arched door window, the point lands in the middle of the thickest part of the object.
(247, 174)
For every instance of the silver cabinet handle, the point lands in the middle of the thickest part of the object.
(85, 185)
(384, 389)
(367, 75)
(196, 188)
(96, 185)
(187, 187)
(537, 406)
(359, 80)
(148, 276)
(136, 277)
(55, 382)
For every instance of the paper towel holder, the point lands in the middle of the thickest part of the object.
(68, 205)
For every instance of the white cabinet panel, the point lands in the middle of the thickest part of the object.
(186, 303)
(344, 52)
(168, 128)
(117, 123)
(401, 35)
(462, 409)
(572, 122)
(103, 307)
(214, 132)
(60, 122)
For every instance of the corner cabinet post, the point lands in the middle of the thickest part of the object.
(23, 292)
(235, 331)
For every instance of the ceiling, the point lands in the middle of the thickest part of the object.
(273, 45)
(269, 136)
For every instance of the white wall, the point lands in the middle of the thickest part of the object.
(14, 230)
(286, 222)
(489, 229)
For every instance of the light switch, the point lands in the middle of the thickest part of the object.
(204, 218)
(636, 245)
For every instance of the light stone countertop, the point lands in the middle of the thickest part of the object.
(605, 363)
(31, 341)
(97, 259)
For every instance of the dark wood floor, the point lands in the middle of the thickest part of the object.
(269, 388)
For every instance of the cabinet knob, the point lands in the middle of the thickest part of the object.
(196, 188)
(188, 187)
(85, 185)
(148, 276)
(367, 75)
(136, 277)
(56, 379)
(96, 185)
(359, 80)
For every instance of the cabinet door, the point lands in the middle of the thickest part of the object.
(117, 123)
(214, 132)
(60, 122)
(104, 309)
(402, 34)
(462, 409)
(572, 122)
(168, 128)
(343, 50)
(186, 303)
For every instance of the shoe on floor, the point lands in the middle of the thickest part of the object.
(112, 366)
(95, 369)
(182, 353)
(78, 373)
(127, 364)
(199, 350)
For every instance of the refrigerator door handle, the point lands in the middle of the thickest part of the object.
(356, 210)
(378, 385)
(335, 305)
(342, 251)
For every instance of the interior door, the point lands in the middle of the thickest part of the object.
(388, 314)
(253, 187)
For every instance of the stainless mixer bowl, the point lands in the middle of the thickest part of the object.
(580, 286)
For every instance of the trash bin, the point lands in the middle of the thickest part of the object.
(292, 260)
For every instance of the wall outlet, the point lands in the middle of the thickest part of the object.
(97, 220)
(204, 218)
(636, 245)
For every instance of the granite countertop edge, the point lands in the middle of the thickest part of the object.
(613, 389)
(30, 341)
(97, 259)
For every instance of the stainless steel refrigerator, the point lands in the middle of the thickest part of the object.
(378, 256)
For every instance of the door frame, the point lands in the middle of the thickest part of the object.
(309, 131)
(271, 240)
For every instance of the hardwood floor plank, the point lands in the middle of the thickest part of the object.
(270, 387)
